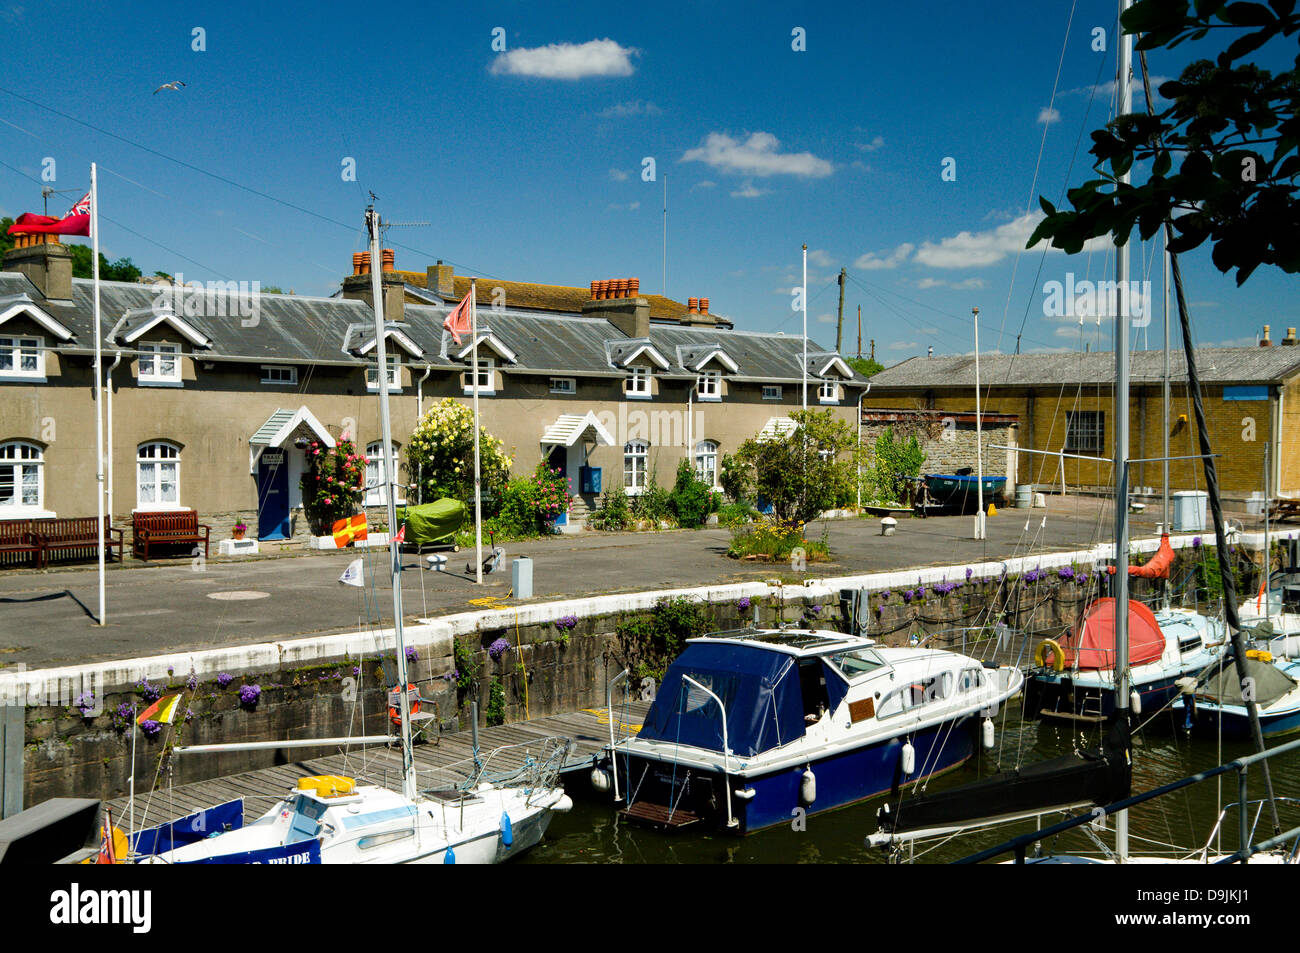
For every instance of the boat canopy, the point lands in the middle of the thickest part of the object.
(1090, 644)
(759, 688)
(1270, 683)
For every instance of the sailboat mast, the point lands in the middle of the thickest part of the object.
(390, 484)
(1164, 513)
(1125, 105)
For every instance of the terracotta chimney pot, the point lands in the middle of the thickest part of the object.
(390, 258)
(621, 287)
(704, 306)
(634, 287)
(593, 290)
(693, 305)
(356, 263)
(365, 263)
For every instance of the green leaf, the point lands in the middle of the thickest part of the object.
(1047, 207)
(1247, 14)
(1161, 166)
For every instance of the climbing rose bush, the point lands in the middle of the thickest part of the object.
(440, 454)
(334, 484)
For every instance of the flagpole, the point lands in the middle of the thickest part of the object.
(99, 386)
(478, 489)
(804, 301)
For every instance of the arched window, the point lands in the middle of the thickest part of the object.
(636, 454)
(706, 462)
(376, 485)
(22, 477)
(158, 476)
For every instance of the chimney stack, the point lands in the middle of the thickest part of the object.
(1290, 339)
(1264, 341)
(357, 286)
(631, 314)
(45, 261)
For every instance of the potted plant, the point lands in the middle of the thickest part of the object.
(239, 530)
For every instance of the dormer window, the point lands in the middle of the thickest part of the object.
(709, 385)
(828, 392)
(22, 357)
(638, 382)
(394, 374)
(486, 377)
(160, 364)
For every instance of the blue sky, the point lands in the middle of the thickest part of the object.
(528, 172)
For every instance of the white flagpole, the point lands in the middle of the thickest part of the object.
(478, 489)
(99, 385)
(805, 327)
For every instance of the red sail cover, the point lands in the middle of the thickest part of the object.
(1091, 643)
(1157, 567)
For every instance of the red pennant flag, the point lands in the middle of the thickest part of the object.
(458, 321)
(401, 534)
(76, 222)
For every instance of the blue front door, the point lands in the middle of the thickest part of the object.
(273, 495)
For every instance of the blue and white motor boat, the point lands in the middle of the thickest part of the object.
(751, 728)
(1216, 704)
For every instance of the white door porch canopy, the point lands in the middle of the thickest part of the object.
(280, 427)
(568, 429)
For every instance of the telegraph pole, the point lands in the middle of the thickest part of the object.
(859, 331)
(839, 324)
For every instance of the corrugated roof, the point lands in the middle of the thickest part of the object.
(1221, 365)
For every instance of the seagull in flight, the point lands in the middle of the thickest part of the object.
(173, 85)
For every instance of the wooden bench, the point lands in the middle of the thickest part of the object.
(17, 538)
(79, 535)
(166, 529)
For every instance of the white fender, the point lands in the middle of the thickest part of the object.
(909, 759)
(808, 787)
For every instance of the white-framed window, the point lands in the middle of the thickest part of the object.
(394, 374)
(709, 385)
(706, 462)
(638, 382)
(22, 356)
(771, 391)
(279, 374)
(636, 455)
(828, 392)
(376, 485)
(22, 478)
(158, 476)
(486, 377)
(160, 363)
(564, 385)
(1085, 431)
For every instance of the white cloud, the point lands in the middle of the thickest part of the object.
(758, 155)
(978, 249)
(630, 207)
(1047, 115)
(827, 318)
(871, 146)
(820, 258)
(618, 175)
(633, 108)
(902, 345)
(923, 284)
(747, 191)
(969, 284)
(873, 262)
(706, 184)
(567, 60)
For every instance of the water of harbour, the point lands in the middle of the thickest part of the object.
(594, 833)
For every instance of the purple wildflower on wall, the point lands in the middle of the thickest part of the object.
(1066, 572)
(150, 728)
(566, 622)
(969, 572)
(744, 604)
(224, 679)
(885, 595)
(498, 648)
(150, 693)
(1196, 542)
(907, 595)
(411, 654)
(85, 703)
(249, 694)
(193, 681)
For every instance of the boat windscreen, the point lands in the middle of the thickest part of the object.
(758, 688)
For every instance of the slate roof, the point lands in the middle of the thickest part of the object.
(299, 329)
(1216, 365)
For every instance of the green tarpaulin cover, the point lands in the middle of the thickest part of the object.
(432, 522)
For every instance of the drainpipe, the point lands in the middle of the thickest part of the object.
(108, 406)
(419, 413)
(858, 481)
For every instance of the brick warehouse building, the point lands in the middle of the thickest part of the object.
(210, 407)
(1063, 402)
